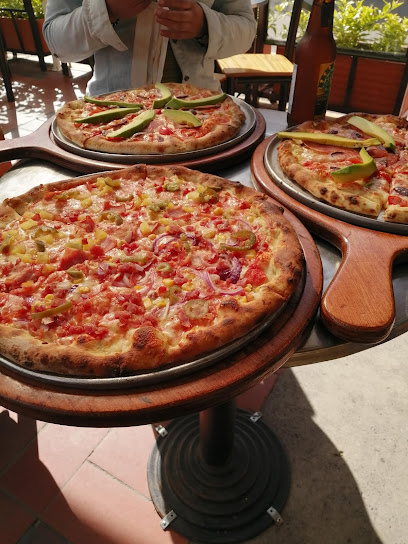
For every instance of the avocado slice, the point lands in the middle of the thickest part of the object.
(166, 96)
(107, 115)
(356, 171)
(329, 139)
(182, 117)
(118, 103)
(374, 130)
(177, 103)
(138, 124)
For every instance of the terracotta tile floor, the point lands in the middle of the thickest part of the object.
(60, 484)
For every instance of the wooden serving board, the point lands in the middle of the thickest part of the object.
(41, 145)
(182, 395)
(358, 305)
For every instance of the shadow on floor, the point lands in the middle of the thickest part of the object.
(325, 504)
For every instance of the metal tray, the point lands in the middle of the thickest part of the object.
(142, 378)
(297, 192)
(244, 132)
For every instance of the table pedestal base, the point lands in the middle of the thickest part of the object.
(218, 498)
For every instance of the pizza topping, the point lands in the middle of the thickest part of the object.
(118, 103)
(247, 236)
(107, 115)
(331, 139)
(182, 117)
(372, 129)
(178, 102)
(64, 307)
(353, 172)
(138, 124)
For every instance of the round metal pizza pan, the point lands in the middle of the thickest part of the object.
(142, 378)
(247, 128)
(297, 192)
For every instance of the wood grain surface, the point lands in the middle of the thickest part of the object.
(205, 388)
(358, 305)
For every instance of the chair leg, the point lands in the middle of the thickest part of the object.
(5, 72)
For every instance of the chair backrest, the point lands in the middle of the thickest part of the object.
(290, 45)
(261, 13)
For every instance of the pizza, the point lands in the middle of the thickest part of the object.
(139, 269)
(358, 162)
(154, 119)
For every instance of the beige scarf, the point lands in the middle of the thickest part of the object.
(149, 49)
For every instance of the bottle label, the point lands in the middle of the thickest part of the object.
(323, 89)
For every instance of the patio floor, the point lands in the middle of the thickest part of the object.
(343, 424)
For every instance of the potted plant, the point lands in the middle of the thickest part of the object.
(370, 72)
(21, 24)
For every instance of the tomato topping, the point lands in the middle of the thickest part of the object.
(397, 201)
(97, 251)
(165, 131)
(255, 276)
(72, 257)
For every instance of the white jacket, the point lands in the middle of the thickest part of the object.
(77, 29)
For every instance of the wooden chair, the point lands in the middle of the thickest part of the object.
(5, 70)
(247, 72)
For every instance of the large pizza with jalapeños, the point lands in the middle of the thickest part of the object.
(141, 268)
(358, 162)
(155, 119)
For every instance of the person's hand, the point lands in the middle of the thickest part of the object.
(181, 19)
(125, 9)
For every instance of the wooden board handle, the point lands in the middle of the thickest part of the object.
(359, 304)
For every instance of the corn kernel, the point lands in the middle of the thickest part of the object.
(160, 303)
(29, 224)
(147, 302)
(144, 228)
(84, 289)
(188, 286)
(168, 282)
(28, 283)
(100, 235)
(43, 257)
(218, 211)
(44, 214)
(137, 202)
(242, 298)
(86, 203)
(105, 190)
(47, 269)
(170, 206)
(26, 258)
(248, 287)
(194, 195)
(19, 248)
(188, 209)
(209, 234)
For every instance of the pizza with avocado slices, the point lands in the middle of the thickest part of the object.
(357, 162)
(137, 269)
(155, 119)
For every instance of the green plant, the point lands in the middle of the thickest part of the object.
(355, 25)
(19, 4)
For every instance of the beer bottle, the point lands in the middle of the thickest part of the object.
(313, 67)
